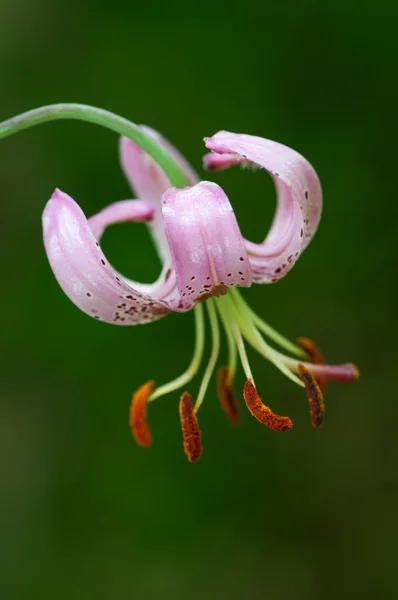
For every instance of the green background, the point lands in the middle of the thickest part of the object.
(84, 512)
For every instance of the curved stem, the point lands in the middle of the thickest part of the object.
(91, 114)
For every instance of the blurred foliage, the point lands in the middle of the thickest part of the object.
(84, 513)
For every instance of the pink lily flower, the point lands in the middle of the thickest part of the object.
(205, 259)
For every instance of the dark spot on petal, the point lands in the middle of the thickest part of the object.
(278, 270)
(102, 260)
(229, 275)
(306, 195)
(301, 233)
(241, 258)
(193, 277)
(88, 294)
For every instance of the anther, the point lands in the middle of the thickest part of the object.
(315, 397)
(262, 412)
(316, 357)
(138, 409)
(190, 429)
(226, 394)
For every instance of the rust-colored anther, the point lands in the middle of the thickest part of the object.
(315, 397)
(315, 356)
(226, 394)
(190, 429)
(138, 409)
(262, 412)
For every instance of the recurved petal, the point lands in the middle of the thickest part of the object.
(149, 181)
(206, 244)
(84, 273)
(299, 199)
(137, 211)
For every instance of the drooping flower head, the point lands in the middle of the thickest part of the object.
(205, 259)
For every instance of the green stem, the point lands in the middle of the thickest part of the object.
(122, 126)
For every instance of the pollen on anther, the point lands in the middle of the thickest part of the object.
(190, 429)
(138, 411)
(315, 397)
(315, 356)
(226, 394)
(262, 412)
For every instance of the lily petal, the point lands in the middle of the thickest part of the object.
(149, 181)
(119, 212)
(206, 244)
(299, 199)
(136, 211)
(84, 273)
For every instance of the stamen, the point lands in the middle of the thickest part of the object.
(226, 394)
(262, 412)
(190, 429)
(193, 368)
(138, 410)
(255, 339)
(215, 334)
(229, 322)
(232, 354)
(316, 357)
(315, 397)
(265, 328)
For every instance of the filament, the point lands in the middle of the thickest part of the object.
(265, 328)
(215, 349)
(195, 362)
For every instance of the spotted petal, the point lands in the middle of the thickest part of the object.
(206, 244)
(84, 273)
(149, 181)
(299, 199)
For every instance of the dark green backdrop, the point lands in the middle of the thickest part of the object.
(84, 512)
